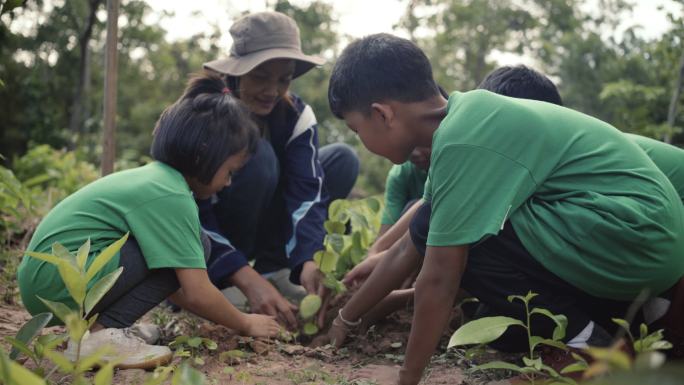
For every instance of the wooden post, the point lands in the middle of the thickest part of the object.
(111, 69)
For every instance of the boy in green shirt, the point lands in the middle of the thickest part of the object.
(525, 195)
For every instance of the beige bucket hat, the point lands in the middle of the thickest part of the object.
(260, 37)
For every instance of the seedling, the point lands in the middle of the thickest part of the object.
(488, 329)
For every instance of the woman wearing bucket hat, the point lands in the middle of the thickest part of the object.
(277, 203)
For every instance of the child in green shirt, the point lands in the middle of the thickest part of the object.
(524, 195)
(199, 142)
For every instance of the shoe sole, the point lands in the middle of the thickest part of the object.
(148, 364)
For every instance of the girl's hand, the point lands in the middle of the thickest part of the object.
(258, 325)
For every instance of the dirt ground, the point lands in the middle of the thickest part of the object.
(364, 360)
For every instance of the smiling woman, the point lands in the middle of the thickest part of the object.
(277, 203)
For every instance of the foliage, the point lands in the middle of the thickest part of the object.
(192, 347)
(488, 329)
(350, 230)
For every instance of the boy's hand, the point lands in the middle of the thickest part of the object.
(258, 325)
(361, 271)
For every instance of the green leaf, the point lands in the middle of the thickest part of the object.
(336, 241)
(49, 258)
(60, 360)
(334, 227)
(209, 344)
(74, 282)
(578, 366)
(59, 309)
(105, 375)
(76, 326)
(533, 363)
(337, 211)
(186, 374)
(482, 331)
(497, 365)
(535, 340)
(62, 253)
(310, 328)
(195, 342)
(309, 306)
(105, 256)
(560, 320)
(30, 330)
(20, 347)
(88, 362)
(100, 288)
(326, 260)
(525, 299)
(14, 374)
(82, 255)
(374, 204)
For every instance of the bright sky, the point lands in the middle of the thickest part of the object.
(356, 17)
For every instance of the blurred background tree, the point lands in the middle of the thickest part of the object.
(51, 55)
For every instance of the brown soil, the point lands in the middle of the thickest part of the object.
(366, 359)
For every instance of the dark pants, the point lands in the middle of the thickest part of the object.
(251, 212)
(138, 288)
(500, 266)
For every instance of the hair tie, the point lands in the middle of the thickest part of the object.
(225, 90)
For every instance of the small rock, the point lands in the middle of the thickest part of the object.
(261, 348)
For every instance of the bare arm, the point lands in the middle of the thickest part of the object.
(387, 276)
(199, 296)
(395, 232)
(436, 288)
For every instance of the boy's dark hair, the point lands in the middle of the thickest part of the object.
(521, 82)
(378, 68)
(204, 127)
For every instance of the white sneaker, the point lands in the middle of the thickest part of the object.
(150, 333)
(131, 350)
(281, 280)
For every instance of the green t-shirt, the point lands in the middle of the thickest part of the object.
(584, 199)
(668, 158)
(153, 203)
(405, 182)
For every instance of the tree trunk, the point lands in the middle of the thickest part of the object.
(83, 85)
(111, 74)
(674, 102)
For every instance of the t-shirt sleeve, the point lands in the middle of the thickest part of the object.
(474, 190)
(168, 232)
(427, 191)
(395, 195)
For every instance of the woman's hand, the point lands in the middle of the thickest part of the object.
(312, 280)
(336, 335)
(259, 325)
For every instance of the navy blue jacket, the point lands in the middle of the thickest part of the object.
(293, 133)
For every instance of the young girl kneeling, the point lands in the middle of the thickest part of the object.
(199, 142)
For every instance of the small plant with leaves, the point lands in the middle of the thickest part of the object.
(344, 248)
(488, 329)
(76, 276)
(647, 353)
(192, 348)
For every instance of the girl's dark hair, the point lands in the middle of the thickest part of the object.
(204, 127)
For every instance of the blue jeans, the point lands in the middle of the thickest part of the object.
(251, 211)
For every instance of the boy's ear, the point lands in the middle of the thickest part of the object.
(385, 112)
